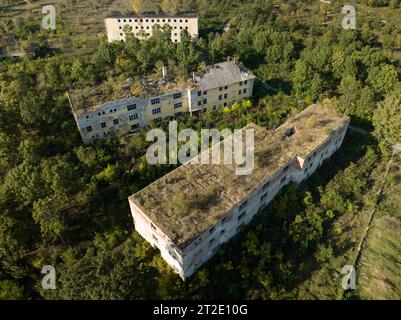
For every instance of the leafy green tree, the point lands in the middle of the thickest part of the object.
(10, 290)
(387, 118)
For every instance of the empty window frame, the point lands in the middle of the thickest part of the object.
(155, 101)
(177, 105)
(156, 111)
(133, 117)
(177, 95)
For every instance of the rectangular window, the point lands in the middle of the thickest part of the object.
(266, 185)
(177, 95)
(204, 101)
(177, 105)
(115, 121)
(246, 81)
(221, 89)
(131, 107)
(226, 87)
(211, 230)
(225, 96)
(89, 129)
(220, 97)
(135, 126)
(204, 93)
(103, 124)
(286, 168)
(133, 117)
(240, 92)
(211, 240)
(241, 83)
(156, 111)
(263, 197)
(157, 120)
(244, 91)
(199, 93)
(155, 101)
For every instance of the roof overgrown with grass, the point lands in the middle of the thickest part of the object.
(192, 198)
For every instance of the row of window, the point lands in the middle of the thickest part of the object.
(200, 93)
(204, 101)
(103, 125)
(129, 108)
(148, 28)
(152, 20)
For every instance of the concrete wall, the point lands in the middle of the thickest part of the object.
(138, 25)
(152, 234)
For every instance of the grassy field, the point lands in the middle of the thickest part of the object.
(379, 274)
(325, 282)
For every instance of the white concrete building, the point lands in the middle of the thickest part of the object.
(142, 25)
(98, 116)
(191, 211)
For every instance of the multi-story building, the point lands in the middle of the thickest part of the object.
(141, 26)
(129, 114)
(98, 115)
(189, 213)
(218, 86)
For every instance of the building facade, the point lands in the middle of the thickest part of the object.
(128, 115)
(141, 26)
(289, 154)
(221, 85)
(199, 94)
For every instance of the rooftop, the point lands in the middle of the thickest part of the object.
(89, 99)
(192, 198)
(222, 74)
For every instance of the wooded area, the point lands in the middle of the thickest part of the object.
(65, 204)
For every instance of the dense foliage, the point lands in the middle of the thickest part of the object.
(65, 204)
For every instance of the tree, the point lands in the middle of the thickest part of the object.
(170, 6)
(10, 290)
(383, 78)
(387, 118)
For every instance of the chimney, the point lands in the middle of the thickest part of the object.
(164, 72)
